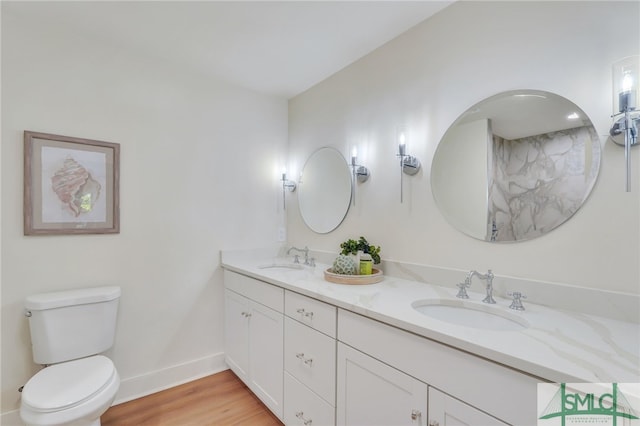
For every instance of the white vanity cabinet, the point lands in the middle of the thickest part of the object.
(254, 334)
(309, 361)
(312, 363)
(371, 393)
(457, 381)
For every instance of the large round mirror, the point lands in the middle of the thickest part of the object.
(515, 166)
(324, 190)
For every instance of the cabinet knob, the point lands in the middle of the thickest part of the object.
(304, 313)
(308, 361)
(246, 314)
(434, 423)
(415, 415)
(300, 415)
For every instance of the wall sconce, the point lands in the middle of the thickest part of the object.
(625, 101)
(408, 163)
(360, 173)
(287, 185)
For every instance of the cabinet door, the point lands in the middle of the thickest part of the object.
(447, 411)
(236, 330)
(266, 339)
(372, 393)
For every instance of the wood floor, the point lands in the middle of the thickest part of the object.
(220, 399)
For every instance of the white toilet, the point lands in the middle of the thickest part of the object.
(69, 329)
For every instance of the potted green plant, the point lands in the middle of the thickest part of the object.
(353, 246)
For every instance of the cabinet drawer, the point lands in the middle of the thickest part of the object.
(304, 407)
(310, 357)
(315, 314)
(266, 294)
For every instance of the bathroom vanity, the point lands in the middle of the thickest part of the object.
(318, 353)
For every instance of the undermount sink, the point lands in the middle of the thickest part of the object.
(470, 314)
(295, 266)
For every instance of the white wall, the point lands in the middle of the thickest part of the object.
(198, 174)
(427, 77)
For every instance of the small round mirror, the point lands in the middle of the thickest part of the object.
(324, 190)
(515, 166)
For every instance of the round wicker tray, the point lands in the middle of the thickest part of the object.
(375, 277)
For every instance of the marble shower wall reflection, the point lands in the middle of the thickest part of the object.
(538, 182)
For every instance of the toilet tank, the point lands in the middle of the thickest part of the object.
(72, 324)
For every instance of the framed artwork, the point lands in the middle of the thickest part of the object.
(71, 185)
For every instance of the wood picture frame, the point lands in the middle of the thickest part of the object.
(71, 185)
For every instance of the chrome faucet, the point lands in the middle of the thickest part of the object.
(489, 277)
(305, 251)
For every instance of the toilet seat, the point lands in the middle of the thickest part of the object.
(69, 384)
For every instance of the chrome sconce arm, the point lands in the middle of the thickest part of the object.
(359, 174)
(287, 185)
(408, 163)
(624, 131)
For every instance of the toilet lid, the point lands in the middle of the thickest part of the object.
(67, 384)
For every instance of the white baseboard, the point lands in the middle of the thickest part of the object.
(146, 384)
(11, 418)
(159, 380)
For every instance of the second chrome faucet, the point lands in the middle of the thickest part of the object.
(305, 251)
(462, 292)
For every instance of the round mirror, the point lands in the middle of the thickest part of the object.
(324, 190)
(515, 166)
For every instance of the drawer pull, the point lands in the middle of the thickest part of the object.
(302, 312)
(246, 314)
(415, 415)
(300, 415)
(434, 423)
(308, 361)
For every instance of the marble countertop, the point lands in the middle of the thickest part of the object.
(558, 346)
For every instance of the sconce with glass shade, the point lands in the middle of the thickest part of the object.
(626, 73)
(408, 163)
(360, 173)
(287, 185)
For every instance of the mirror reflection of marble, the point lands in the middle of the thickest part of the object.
(324, 190)
(515, 166)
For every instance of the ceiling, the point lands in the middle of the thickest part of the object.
(524, 113)
(275, 47)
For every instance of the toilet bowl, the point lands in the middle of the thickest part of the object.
(70, 393)
(69, 330)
